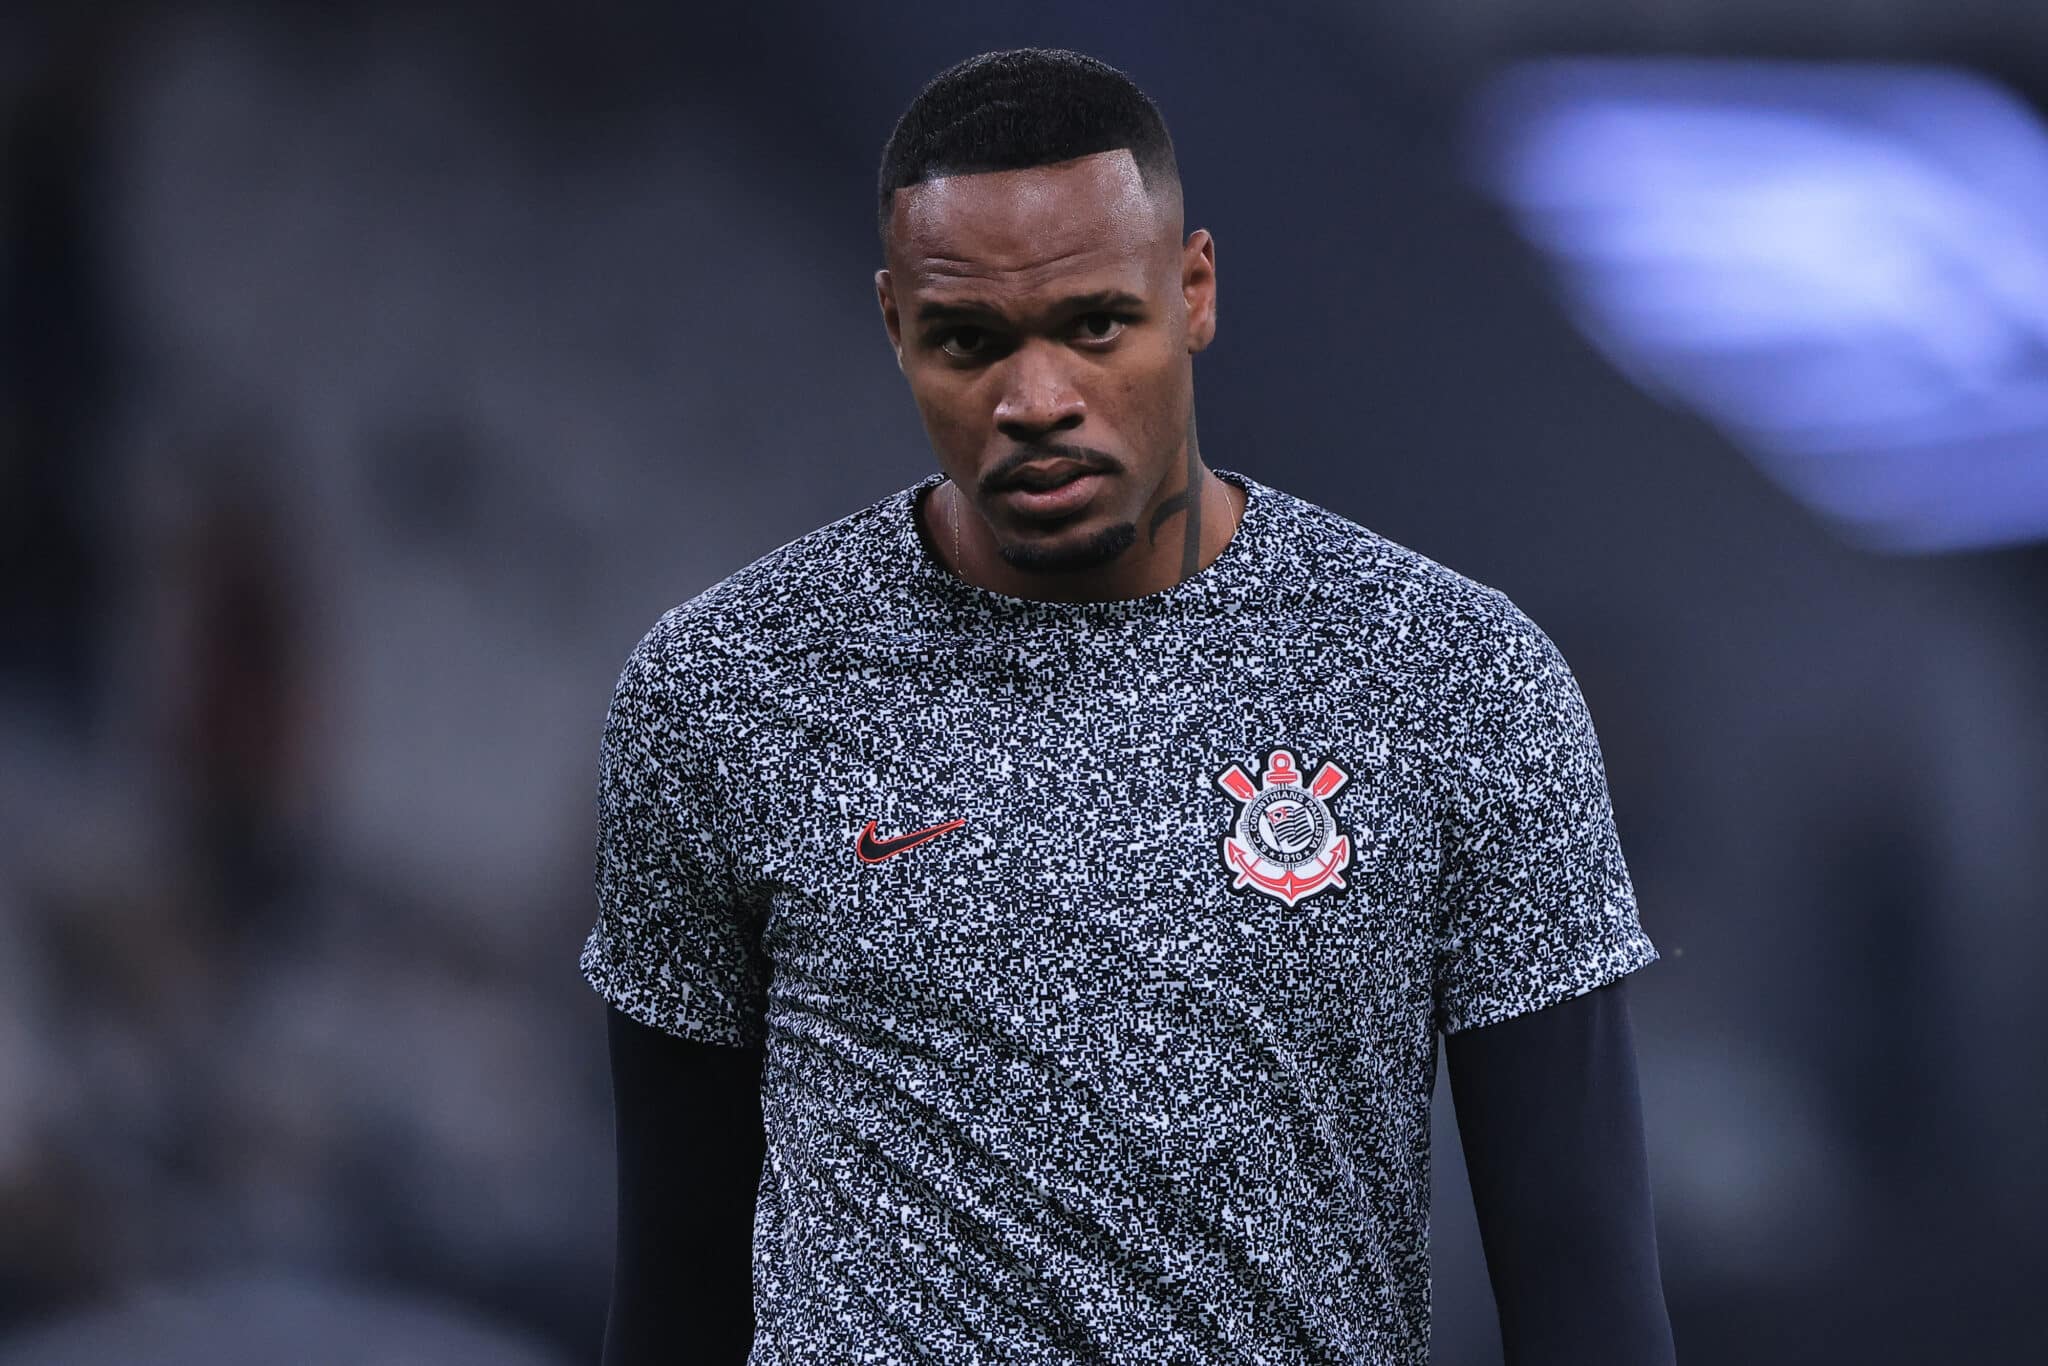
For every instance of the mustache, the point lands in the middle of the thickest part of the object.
(998, 478)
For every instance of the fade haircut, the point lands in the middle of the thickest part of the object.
(1029, 106)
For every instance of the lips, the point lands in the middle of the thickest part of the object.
(1059, 498)
(1038, 478)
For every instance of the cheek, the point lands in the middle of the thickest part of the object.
(950, 415)
(1148, 398)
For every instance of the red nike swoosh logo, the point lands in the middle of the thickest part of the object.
(872, 850)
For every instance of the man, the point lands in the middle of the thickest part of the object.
(1074, 857)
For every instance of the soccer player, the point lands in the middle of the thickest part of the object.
(1029, 905)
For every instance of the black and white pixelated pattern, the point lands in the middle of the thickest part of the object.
(1093, 1070)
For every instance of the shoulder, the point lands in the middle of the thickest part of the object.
(1427, 617)
(776, 608)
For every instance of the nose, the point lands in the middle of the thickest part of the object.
(1038, 397)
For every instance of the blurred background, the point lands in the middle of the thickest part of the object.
(368, 385)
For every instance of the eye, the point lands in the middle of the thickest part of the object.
(1101, 326)
(964, 343)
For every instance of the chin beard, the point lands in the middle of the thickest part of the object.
(1099, 549)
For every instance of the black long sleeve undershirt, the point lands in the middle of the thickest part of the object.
(1549, 1115)
(1550, 1118)
(690, 1148)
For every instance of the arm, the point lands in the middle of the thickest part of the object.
(690, 1147)
(1550, 1118)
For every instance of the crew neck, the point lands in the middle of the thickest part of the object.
(1224, 582)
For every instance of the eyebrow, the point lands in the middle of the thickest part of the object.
(1101, 299)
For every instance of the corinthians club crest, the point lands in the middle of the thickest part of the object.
(1285, 843)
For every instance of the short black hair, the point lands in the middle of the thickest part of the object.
(1028, 106)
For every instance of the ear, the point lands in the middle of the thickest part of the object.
(885, 295)
(1198, 288)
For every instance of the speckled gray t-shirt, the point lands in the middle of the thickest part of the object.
(1100, 950)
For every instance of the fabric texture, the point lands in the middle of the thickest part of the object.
(1549, 1115)
(1100, 950)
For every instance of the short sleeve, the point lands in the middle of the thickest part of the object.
(1535, 903)
(677, 943)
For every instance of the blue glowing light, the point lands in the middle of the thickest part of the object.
(1844, 268)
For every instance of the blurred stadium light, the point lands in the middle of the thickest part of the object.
(1845, 268)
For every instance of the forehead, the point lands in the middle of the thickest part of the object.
(1027, 229)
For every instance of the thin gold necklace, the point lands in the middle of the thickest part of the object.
(956, 530)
